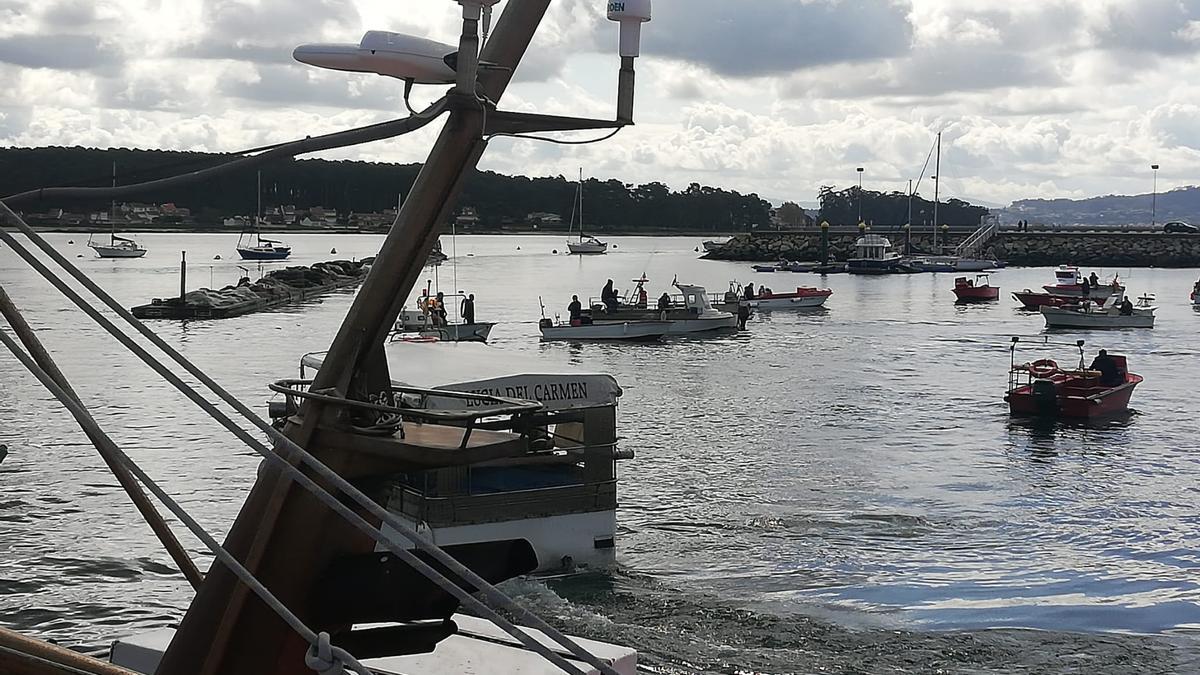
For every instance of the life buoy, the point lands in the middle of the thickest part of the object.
(1043, 368)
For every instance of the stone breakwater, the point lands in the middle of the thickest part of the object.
(1031, 249)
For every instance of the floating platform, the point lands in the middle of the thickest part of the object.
(281, 287)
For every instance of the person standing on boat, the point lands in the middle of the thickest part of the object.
(743, 315)
(440, 308)
(608, 295)
(642, 299)
(1126, 307)
(1109, 372)
(1095, 280)
(468, 309)
(1086, 291)
(575, 309)
(750, 291)
(664, 302)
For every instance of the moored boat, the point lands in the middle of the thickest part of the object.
(1044, 388)
(586, 244)
(117, 247)
(978, 290)
(765, 268)
(803, 298)
(1034, 300)
(873, 255)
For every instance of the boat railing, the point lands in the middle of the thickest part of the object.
(396, 404)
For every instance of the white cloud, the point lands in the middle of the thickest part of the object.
(1037, 98)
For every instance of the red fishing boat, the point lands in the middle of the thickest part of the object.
(1046, 389)
(1035, 301)
(979, 290)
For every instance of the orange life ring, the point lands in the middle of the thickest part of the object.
(1043, 368)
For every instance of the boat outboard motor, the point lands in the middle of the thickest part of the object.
(1045, 397)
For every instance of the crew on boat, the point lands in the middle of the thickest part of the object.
(1126, 307)
(468, 309)
(1095, 280)
(743, 315)
(1109, 372)
(750, 290)
(575, 309)
(664, 302)
(642, 299)
(440, 309)
(608, 295)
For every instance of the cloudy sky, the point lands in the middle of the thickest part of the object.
(1036, 98)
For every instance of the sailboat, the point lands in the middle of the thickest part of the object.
(251, 245)
(587, 244)
(117, 247)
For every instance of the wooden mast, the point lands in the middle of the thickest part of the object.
(282, 534)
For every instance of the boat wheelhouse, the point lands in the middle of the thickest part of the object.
(691, 310)
(557, 502)
(1045, 389)
(873, 255)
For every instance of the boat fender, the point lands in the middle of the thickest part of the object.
(1043, 368)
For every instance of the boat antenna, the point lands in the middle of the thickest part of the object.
(543, 305)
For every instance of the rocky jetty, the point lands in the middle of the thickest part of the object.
(1031, 249)
(291, 284)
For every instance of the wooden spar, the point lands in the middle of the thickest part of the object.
(282, 534)
(103, 444)
(20, 655)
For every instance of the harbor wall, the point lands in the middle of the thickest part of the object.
(1031, 249)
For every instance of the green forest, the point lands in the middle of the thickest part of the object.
(840, 207)
(349, 186)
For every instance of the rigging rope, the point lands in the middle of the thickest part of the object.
(330, 658)
(487, 590)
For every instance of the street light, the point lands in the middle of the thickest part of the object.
(1154, 196)
(860, 173)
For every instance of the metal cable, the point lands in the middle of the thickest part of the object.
(88, 423)
(486, 589)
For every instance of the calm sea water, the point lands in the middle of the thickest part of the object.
(838, 490)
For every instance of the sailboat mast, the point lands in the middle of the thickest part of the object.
(112, 211)
(581, 204)
(258, 212)
(937, 178)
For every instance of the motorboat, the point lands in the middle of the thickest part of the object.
(690, 311)
(765, 268)
(873, 255)
(586, 329)
(559, 500)
(1086, 314)
(586, 244)
(117, 247)
(425, 321)
(1044, 388)
(948, 263)
(977, 290)
(1069, 282)
(803, 298)
(797, 266)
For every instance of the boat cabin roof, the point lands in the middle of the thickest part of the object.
(477, 368)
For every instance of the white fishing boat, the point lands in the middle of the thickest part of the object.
(117, 247)
(1087, 315)
(634, 331)
(873, 255)
(586, 244)
(689, 311)
(803, 298)
(560, 500)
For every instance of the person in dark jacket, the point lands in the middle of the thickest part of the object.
(750, 291)
(608, 295)
(664, 302)
(468, 309)
(575, 309)
(743, 315)
(1126, 307)
(1095, 280)
(1109, 372)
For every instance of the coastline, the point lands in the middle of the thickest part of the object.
(217, 229)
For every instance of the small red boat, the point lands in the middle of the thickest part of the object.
(978, 290)
(1046, 389)
(1033, 300)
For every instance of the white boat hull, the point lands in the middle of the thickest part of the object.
(1063, 317)
(629, 330)
(118, 252)
(789, 303)
(559, 542)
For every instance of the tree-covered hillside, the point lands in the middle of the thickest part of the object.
(371, 187)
